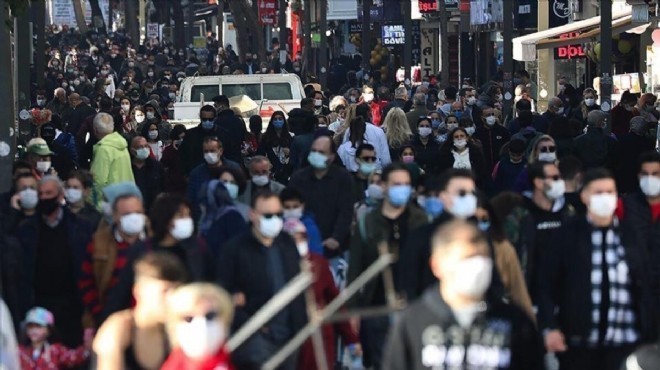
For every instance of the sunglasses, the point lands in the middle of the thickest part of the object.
(368, 159)
(271, 215)
(547, 149)
(209, 316)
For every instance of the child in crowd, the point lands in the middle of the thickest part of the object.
(38, 353)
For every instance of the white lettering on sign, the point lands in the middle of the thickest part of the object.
(525, 9)
(429, 52)
(394, 35)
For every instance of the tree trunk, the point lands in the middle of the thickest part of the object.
(179, 33)
(256, 30)
(80, 16)
(132, 22)
(97, 14)
(242, 33)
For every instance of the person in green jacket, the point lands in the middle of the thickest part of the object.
(111, 162)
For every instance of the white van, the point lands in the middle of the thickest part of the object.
(272, 92)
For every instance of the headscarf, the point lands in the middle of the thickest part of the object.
(216, 202)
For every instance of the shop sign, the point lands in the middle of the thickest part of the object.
(431, 6)
(429, 52)
(267, 11)
(569, 51)
(394, 34)
(560, 12)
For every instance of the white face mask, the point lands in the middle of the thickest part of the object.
(375, 191)
(547, 157)
(43, 166)
(29, 198)
(460, 144)
(211, 158)
(142, 154)
(556, 190)
(232, 189)
(260, 180)
(471, 100)
(303, 248)
(139, 118)
(73, 195)
(368, 97)
(451, 126)
(589, 102)
(464, 206)
(183, 228)
(491, 120)
(425, 131)
(470, 130)
(472, 276)
(41, 102)
(295, 213)
(318, 103)
(650, 186)
(126, 108)
(560, 110)
(200, 338)
(603, 205)
(151, 115)
(153, 135)
(132, 223)
(270, 227)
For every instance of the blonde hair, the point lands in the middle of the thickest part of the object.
(533, 155)
(397, 129)
(337, 101)
(350, 114)
(184, 298)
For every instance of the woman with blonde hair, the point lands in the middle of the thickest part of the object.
(198, 324)
(397, 131)
(338, 105)
(543, 149)
(340, 129)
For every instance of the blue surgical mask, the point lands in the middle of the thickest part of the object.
(207, 124)
(278, 123)
(367, 168)
(458, 114)
(318, 160)
(433, 206)
(435, 123)
(232, 189)
(483, 225)
(399, 195)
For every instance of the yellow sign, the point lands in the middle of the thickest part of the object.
(199, 42)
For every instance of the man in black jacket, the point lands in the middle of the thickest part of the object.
(191, 155)
(492, 136)
(254, 266)
(642, 210)
(148, 172)
(230, 129)
(453, 326)
(595, 302)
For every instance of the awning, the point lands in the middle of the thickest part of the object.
(524, 47)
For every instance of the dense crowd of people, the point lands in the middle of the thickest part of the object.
(521, 240)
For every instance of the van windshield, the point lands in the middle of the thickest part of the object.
(251, 90)
(209, 91)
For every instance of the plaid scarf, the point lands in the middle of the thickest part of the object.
(621, 318)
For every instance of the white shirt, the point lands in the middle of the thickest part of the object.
(376, 137)
(462, 160)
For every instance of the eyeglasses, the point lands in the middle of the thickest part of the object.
(547, 149)
(209, 316)
(271, 215)
(368, 159)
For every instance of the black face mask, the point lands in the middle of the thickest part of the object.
(48, 206)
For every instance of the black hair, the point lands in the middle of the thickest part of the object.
(238, 175)
(290, 193)
(221, 100)
(596, 174)
(262, 195)
(536, 170)
(392, 167)
(523, 73)
(357, 131)
(207, 108)
(523, 105)
(177, 130)
(363, 110)
(648, 157)
(270, 137)
(256, 123)
(453, 173)
(162, 212)
(362, 148)
(569, 167)
(525, 118)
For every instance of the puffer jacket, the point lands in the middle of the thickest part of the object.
(111, 162)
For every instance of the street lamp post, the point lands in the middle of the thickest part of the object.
(606, 55)
(323, 45)
(508, 92)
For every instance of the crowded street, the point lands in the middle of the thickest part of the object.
(330, 184)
